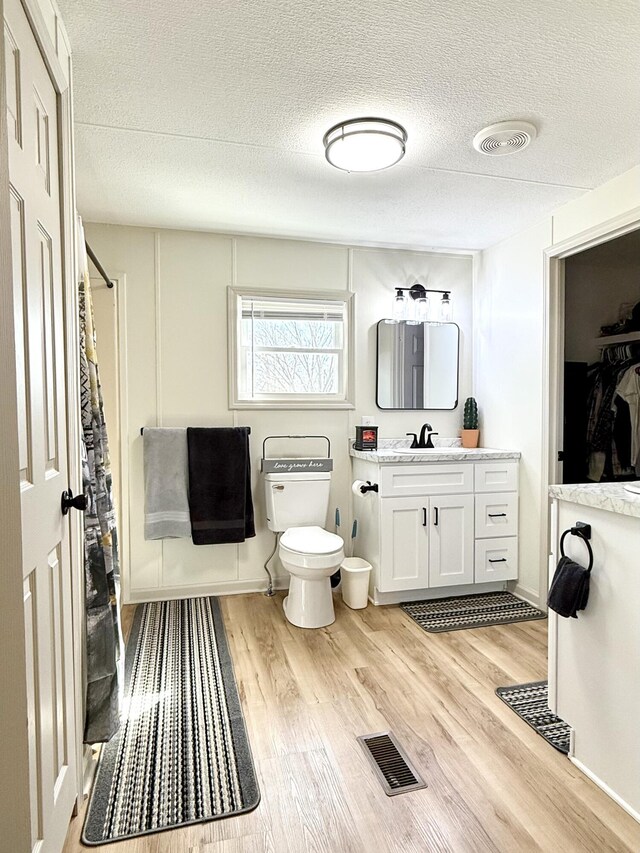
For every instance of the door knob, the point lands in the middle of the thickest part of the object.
(68, 501)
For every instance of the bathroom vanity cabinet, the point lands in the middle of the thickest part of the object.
(442, 522)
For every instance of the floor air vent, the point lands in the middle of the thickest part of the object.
(391, 764)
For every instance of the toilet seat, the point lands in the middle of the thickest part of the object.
(313, 541)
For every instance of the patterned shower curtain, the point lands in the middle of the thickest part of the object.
(101, 564)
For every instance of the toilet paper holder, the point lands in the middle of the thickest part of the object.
(370, 487)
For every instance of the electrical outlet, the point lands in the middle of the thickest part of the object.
(367, 420)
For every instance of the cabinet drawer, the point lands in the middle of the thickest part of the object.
(496, 515)
(496, 559)
(498, 476)
(416, 480)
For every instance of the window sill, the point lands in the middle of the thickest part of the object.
(265, 405)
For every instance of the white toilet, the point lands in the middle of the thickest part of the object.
(297, 505)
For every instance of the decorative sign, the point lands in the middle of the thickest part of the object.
(296, 466)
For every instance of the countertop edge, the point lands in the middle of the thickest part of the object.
(481, 454)
(609, 497)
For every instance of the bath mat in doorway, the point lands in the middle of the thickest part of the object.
(530, 701)
(471, 611)
(181, 755)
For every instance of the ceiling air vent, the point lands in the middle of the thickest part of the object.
(507, 137)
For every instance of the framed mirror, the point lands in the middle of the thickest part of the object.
(417, 365)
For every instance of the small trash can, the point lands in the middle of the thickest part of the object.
(355, 573)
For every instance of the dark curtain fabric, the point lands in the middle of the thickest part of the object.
(102, 575)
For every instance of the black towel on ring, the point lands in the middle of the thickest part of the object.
(569, 591)
(220, 502)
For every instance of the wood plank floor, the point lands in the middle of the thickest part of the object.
(494, 785)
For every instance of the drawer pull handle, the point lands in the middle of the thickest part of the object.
(435, 513)
(497, 515)
(424, 516)
(501, 560)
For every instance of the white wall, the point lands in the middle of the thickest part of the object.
(509, 364)
(509, 375)
(176, 338)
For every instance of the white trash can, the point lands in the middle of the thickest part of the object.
(354, 575)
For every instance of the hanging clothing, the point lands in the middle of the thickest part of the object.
(629, 390)
(613, 428)
(102, 574)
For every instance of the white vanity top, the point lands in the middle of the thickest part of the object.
(612, 497)
(446, 450)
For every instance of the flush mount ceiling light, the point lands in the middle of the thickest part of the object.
(365, 144)
(506, 137)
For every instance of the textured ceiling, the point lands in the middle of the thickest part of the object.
(199, 114)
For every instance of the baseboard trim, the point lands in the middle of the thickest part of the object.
(528, 595)
(90, 756)
(608, 791)
(404, 596)
(140, 596)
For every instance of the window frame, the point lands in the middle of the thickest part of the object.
(346, 358)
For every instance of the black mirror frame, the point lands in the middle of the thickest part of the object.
(394, 409)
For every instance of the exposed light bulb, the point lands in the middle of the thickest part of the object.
(422, 309)
(399, 309)
(445, 308)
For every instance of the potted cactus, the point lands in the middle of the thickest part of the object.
(470, 432)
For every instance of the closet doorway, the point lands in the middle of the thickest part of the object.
(588, 279)
(600, 440)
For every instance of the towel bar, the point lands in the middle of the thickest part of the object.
(248, 429)
(582, 531)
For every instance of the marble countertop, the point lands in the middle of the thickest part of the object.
(612, 497)
(446, 450)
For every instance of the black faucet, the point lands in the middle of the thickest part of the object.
(422, 443)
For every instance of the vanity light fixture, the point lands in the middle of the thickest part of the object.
(365, 144)
(416, 309)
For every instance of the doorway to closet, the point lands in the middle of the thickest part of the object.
(600, 399)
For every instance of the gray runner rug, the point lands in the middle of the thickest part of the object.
(471, 611)
(181, 755)
(530, 702)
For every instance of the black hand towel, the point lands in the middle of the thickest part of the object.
(569, 590)
(220, 502)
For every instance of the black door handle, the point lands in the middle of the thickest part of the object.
(435, 520)
(68, 501)
(497, 515)
(424, 516)
(501, 560)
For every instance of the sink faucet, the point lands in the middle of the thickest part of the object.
(422, 443)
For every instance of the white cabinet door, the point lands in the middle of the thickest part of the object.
(451, 541)
(404, 551)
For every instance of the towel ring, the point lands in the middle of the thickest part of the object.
(577, 531)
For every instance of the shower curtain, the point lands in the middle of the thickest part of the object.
(101, 565)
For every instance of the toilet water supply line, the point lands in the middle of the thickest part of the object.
(270, 590)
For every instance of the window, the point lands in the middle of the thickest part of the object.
(291, 351)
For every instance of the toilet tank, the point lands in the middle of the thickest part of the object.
(297, 500)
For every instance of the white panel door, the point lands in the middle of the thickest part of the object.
(40, 360)
(404, 549)
(451, 540)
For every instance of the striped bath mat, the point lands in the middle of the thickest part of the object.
(181, 755)
(530, 702)
(471, 611)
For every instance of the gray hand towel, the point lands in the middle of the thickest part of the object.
(166, 502)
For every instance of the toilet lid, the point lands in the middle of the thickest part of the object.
(311, 540)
